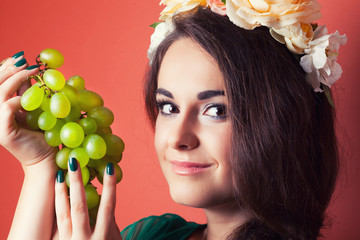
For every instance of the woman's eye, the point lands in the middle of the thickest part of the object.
(167, 108)
(217, 111)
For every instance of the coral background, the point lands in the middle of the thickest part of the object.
(106, 43)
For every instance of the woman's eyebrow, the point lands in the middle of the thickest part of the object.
(164, 92)
(201, 96)
(209, 94)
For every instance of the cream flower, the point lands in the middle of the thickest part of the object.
(296, 36)
(276, 14)
(175, 6)
(217, 6)
(320, 60)
(162, 30)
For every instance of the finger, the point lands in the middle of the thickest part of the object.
(12, 66)
(7, 117)
(79, 210)
(20, 115)
(106, 217)
(62, 207)
(23, 87)
(11, 60)
(13, 83)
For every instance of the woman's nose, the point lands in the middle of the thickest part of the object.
(184, 134)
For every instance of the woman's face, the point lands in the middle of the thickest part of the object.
(192, 129)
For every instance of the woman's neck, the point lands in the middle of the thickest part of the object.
(223, 220)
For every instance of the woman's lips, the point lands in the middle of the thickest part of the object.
(188, 168)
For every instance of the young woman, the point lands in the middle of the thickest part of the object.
(239, 132)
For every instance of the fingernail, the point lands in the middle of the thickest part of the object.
(32, 67)
(110, 169)
(73, 164)
(19, 54)
(60, 176)
(20, 63)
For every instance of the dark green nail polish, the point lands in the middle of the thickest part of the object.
(110, 169)
(19, 54)
(32, 67)
(20, 63)
(60, 176)
(73, 164)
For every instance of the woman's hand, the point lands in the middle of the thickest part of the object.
(72, 217)
(29, 147)
(34, 215)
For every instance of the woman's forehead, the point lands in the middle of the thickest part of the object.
(187, 64)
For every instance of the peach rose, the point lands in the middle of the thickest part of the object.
(276, 14)
(217, 6)
(175, 6)
(296, 37)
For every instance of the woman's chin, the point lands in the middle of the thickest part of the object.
(198, 199)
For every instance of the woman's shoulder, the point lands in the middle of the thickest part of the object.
(166, 226)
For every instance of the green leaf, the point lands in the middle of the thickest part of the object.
(328, 95)
(154, 25)
(224, 1)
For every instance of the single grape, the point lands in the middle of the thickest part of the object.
(103, 116)
(46, 121)
(32, 97)
(118, 172)
(62, 158)
(92, 197)
(104, 130)
(95, 146)
(32, 118)
(89, 100)
(85, 176)
(72, 134)
(52, 136)
(60, 105)
(76, 82)
(72, 94)
(54, 79)
(89, 125)
(45, 104)
(94, 163)
(101, 171)
(80, 155)
(114, 145)
(74, 114)
(52, 58)
(113, 159)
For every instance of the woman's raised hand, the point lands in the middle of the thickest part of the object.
(28, 146)
(72, 217)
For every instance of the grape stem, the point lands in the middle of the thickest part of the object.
(40, 64)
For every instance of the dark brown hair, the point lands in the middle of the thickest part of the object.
(284, 150)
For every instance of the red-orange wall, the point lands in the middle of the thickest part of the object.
(106, 42)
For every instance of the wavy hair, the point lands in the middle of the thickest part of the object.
(284, 150)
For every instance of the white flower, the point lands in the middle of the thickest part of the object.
(320, 60)
(162, 30)
(296, 36)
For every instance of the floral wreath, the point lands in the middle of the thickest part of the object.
(289, 21)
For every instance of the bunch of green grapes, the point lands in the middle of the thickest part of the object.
(75, 120)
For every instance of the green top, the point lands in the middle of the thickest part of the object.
(167, 226)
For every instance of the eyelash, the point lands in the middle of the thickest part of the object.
(162, 103)
(219, 106)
